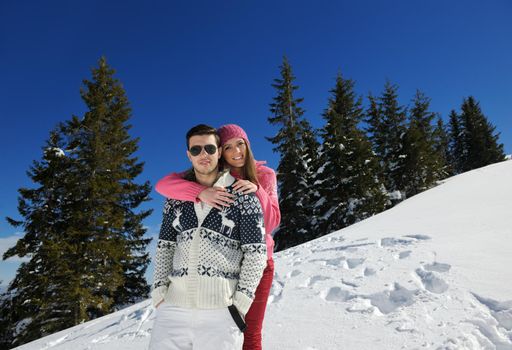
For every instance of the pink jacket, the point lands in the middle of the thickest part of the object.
(174, 186)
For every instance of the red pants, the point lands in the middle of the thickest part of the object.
(256, 313)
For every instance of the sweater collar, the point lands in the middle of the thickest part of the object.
(224, 179)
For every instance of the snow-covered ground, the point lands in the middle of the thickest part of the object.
(434, 272)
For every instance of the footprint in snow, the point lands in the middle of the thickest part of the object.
(361, 305)
(431, 282)
(329, 262)
(391, 241)
(390, 300)
(419, 237)
(143, 318)
(368, 271)
(404, 254)
(354, 262)
(406, 327)
(438, 267)
(137, 314)
(297, 261)
(310, 282)
(350, 284)
(335, 261)
(293, 273)
(276, 292)
(333, 239)
(501, 311)
(350, 247)
(336, 294)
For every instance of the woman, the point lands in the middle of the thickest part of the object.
(252, 176)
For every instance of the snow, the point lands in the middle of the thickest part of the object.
(58, 152)
(22, 325)
(395, 195)
(432, 273)
(320, 202)
(322, 168)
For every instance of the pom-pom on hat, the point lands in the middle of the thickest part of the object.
(229, 131)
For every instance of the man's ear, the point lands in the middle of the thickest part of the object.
(189, 156)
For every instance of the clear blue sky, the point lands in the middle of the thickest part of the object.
(189, 62)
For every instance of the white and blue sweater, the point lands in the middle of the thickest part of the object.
(207, 258)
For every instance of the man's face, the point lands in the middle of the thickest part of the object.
(204, 163)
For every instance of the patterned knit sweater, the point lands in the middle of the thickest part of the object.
(207, 258)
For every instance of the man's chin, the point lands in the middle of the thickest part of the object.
(205, 171)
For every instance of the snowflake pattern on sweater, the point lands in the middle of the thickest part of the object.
(203, 241)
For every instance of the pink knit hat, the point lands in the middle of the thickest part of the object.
(229, 131)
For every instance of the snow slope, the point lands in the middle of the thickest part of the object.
(434, 272)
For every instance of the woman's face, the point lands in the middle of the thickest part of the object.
(234, 152)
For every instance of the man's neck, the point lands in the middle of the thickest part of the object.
(207, 180)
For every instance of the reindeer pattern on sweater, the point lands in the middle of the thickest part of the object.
(197, 241)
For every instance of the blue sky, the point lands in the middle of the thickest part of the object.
(189, 62)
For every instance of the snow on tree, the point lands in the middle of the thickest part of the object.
(348, 181)
(83, 233)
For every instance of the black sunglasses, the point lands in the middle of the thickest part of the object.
(196, 150)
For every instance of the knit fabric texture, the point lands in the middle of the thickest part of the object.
(230, 131)
(207, 258)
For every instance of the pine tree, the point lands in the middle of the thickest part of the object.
(35, 304)
(456, 147)
(5, 316)
(386, 127)
(310, 155)
(292, 172)
(441, 147)
(479, 137)
(423, 163)
(116, 248)
(348, 179)
(6, 333)
(83, 233)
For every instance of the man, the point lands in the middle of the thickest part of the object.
(208, 262)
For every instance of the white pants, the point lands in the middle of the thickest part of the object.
(177, 328)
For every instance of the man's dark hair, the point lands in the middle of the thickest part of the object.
(203, 129)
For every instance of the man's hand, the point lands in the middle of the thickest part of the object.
(245, 186)
(216, 197)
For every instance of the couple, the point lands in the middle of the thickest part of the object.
(213, 265)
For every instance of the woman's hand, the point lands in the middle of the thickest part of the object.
(216, 197)
(245, 186)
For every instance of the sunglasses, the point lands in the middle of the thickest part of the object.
(196, 150)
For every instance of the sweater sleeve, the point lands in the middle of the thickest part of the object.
(165, 249)
(254, 249)
(175, 187)
(267, 194)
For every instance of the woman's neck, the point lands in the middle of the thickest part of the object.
(237, 171)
